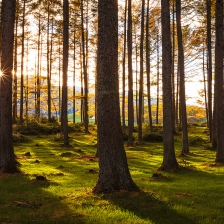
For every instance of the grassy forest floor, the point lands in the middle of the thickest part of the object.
(55, 183)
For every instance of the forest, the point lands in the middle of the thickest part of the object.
(111, 111)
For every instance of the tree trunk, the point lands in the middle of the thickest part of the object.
(22, 64)
(86, 118)
(140, 118)
(124, 66)
(185, 148)
(219, 81)
(48, 64)
(209, 76)
(114, 174)
(38, 69)
(14, 109)
(157, 95)
(148, 68)
(64, 119)
(74, 72)
(130, 77)
(173, 69)
(7, 157)
(169, 158)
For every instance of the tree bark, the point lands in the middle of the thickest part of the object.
(219, 81)
(22, 64)
(14, 110)
(140, 118)
(185, 148)
(65, 72)
(124, 66)
(114, 174)
(130, 77)
(209, 76)
(148, 68)
(7, 158)
(169, 158)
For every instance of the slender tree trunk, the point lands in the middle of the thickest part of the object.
(22, 64)
(209, 47)
(74, 72)
(65, 72)
(130, 77)
(48, 63)
(14, 109)
(177, 117)
(157, 95)
(205, 90)
(219, 81)
(140, 118)
(38, 69)
(169, 158)
(185, 148)
(114, 174)
(59, 81)
(124, 66)
(27, 79)
(148, 68)
(173, 69)
(136, 80)
(86, 119)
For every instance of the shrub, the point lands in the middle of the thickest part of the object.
(152, 137)
(17, 137)
(196, 141)
(33, 127)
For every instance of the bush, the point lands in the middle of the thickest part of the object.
(58, 137)
(33, 127)
(17, 137)
(196, 141)
(152, 137)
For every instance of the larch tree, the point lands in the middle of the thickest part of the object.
(169, 158)
(22, 63)
(114, 174)
(185, 148)
(15, 78)
(219, 81)
(7, 157)
(130, 76)
(140, 118)
(64, 108)
(148, 67)
(124, 65)
(209, 76)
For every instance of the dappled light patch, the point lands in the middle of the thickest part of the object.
(215, 164)
(91, 158)
(184, 195)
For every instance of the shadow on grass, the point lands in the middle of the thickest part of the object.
(148, 207)
(28, 201)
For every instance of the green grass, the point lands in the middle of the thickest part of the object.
(192, 195)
